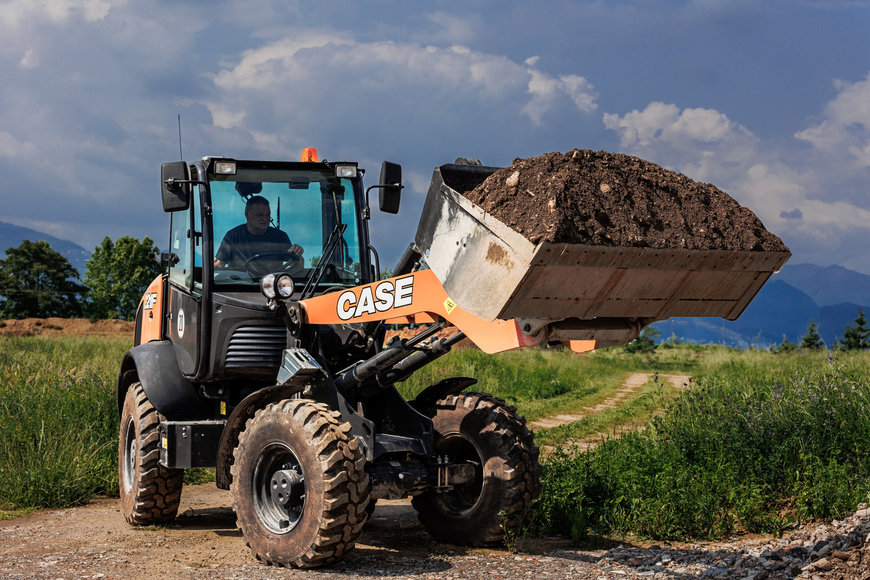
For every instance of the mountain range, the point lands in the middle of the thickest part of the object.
(11, 236)
(800, 294)
(830, 296)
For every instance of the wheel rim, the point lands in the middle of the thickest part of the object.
(130, 450)
(278, 489)
(463, 498)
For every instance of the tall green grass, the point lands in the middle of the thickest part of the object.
(58, 420)
(765, 442)
(541, 382)
(762, 442)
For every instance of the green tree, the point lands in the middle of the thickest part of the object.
(38, 282)
(785, 346)
(645, 343)
(856, 337)
(812, 340)
(116, 276)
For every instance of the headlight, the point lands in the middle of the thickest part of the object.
(280, 286)
(225, 167)
(284, 286)
(348, 171)
(267, 286)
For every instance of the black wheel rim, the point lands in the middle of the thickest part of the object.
(463, 498)
(131, 448)
(278, 488)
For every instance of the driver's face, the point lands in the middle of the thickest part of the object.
(257, 218)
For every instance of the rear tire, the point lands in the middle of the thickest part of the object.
(484, 431)
(150, 493)
(300, 489)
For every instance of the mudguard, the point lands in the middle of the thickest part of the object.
(154, 365)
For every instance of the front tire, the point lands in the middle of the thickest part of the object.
(300, 489)
(150, 493)
(485, 432)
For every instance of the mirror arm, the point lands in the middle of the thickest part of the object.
(164, 259)
(368, 212)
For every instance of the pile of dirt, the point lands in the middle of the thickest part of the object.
(67, 327)
(611, 199)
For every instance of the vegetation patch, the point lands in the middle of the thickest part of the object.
(58, 420)
(760, 442)
(761, 445)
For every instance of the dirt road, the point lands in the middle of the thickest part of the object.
(631, 385)
(94, 541)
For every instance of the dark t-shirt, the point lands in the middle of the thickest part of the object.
(239, 245)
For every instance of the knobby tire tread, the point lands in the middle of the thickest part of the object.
(346, 484)
(521, 474)
(156, 492)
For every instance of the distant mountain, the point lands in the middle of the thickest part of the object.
(784, 308)
(833, 320)
(828, 285)
(11, 236)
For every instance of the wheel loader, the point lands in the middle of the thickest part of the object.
(274, 370)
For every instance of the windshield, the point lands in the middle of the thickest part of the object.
(270, 220)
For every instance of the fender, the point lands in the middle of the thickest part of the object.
(236, 423)
(154, 365)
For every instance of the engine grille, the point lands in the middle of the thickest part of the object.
(256, 347)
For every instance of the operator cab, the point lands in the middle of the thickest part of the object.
(216, 315)
(305, 204)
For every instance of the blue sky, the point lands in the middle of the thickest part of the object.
(770, 101)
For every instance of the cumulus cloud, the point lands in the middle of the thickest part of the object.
(427, 79)
(14, 12)
(11, 147)
(792, 194)
(845, 127)
(666, 123)
(29, 60)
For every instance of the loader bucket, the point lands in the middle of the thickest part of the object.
(492, 271)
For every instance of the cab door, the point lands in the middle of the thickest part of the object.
(185, 288)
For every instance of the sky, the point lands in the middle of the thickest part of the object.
(768, 100)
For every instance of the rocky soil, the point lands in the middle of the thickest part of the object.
(610, 199)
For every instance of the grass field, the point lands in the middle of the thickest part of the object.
(760, 442)
(58, 420)
(766, 441)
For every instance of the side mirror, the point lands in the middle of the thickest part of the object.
(390, 186)
(175, 185)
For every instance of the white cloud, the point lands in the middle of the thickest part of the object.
(791, 194)
(29, 60)
(846, 123)
(666, 123)
(288, 74)
(12, 147)
(14, 12)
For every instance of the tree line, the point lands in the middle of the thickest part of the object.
(38, 282)
(856, 336)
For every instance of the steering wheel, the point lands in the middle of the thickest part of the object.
(262, 263)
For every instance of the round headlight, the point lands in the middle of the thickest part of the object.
(267, 286)
(284, 286)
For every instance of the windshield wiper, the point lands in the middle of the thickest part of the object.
(331, 244)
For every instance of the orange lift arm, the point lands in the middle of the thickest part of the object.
(416, 297)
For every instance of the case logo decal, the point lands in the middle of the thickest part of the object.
(149, 300)
(381, 297)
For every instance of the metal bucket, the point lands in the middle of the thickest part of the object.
(494, 272)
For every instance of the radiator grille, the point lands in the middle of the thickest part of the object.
(256, 346)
